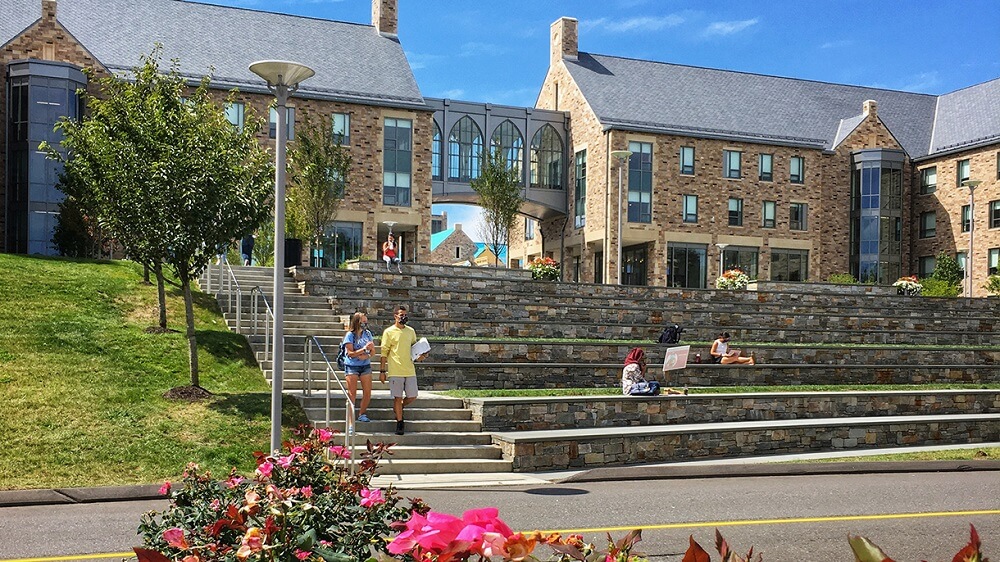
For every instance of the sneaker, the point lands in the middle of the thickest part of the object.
(364, 418)
(399, 427)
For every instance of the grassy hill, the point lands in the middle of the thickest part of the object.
(82, 383)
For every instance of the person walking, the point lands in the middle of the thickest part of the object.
(397, 363)
(360, 346)
(246, 249)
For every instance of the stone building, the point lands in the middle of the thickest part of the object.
(789, 179)
(452, 246)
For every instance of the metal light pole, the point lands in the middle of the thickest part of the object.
(622, 156)
(972, 185)
(283, 78)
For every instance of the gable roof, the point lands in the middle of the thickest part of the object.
(438, 237)
(353, 62)
(968, 117)
(481, 247)
(659, 97)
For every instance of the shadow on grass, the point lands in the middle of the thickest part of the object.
(226, 346)
(256, 405)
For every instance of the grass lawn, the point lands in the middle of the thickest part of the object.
(81, 383)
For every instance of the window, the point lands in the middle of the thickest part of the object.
(342, 242)
(690, 208)
(993, 260)
(742, 257)
(797, 170)
(458, 252)
(962, 172)
(529, 229)
(998, 165)
(465, 147)
(731, 164)
(598, 267)
(797, 216)
(928, 180)
(960, 258)
(687, 160)
(766, 167)
(925, 266)
(508, 140)
(995, 214)
(396, 162)
(769, 212)
(342, 128)
(634, 265)
(436, 173)
(546, 159)
(928, 224)
(686, 265)
(789, 265)
(735, 212)
(289, 125)
(234, 114)
(965, 218)
(640, 182)
(515, 263)
(580, 201)
(577, 269)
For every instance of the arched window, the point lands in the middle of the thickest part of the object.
(436, 153)
(465, 147)
(508, 139)
(546, 159)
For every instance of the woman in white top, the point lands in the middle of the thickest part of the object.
(721, 353)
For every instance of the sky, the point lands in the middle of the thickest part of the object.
(497, 51)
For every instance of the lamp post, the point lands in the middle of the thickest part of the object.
(972, 185)
(722, 255)
(283, 78)
(622, 156)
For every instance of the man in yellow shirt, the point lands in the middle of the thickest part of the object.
(397, 362)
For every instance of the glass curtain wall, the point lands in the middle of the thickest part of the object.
(876, 215)
(687, 265)
(343, 241)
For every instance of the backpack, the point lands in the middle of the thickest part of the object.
(671, 335)
(342, 356)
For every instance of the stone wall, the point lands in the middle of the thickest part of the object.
(833, 288)
(560, 413)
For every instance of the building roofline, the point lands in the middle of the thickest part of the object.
(623, 125)
(955, 149)
(272, 13)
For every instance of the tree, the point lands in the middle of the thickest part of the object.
(167, 174)
(947, 269)
(318, 168)
(500, 196)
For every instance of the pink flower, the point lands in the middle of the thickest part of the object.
(307, 491)
(252, 498)
(487, 518)
(253, 542)
(191, 558)
(493, 544)
(340, 452)
(165, 488)
(234, 481)
(298, 449)
(302, 554)
(265, 469)
(215, 504)
(286, 462)
(371, 497)
(325, 435)
(175, 538)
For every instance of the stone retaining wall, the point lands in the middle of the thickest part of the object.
(443, 270)
(705, 442)
(831, 288)
(557, 413)
(486, 376)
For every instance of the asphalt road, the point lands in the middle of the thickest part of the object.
(789, 518)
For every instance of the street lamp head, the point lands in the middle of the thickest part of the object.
(621, 155)
(281, 72)
(972, 184)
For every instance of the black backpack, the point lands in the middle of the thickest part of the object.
(671, 335)
(342, 356)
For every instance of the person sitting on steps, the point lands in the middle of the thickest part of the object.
(390, 255)
(721, 352)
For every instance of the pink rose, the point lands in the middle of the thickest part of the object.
(298, 449)
(371, 497)
(165, 488)
(286, 462)
(265, 469)
(307, 491)
(175, 538)
(325, 435)
(340, 452)
(302, 554)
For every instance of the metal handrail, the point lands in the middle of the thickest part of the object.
(230, 281)
(331, 373)
(257, 294)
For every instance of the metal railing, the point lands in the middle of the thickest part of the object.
(330, 373)
(256, 296)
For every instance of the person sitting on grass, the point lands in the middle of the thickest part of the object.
(722, 353)
(634, 381)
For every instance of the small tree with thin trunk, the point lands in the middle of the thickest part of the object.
(318, 168)
(500, 196)
(167, 174)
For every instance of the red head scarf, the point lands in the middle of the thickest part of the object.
(637, 355)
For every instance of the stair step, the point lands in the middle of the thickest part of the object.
(385, 414)
(380, 400)
(428, 438)
(390, 465)
(445, 452)
(417, 426)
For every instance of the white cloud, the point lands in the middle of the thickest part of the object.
(644, 23)
(837, 44)
(421, 60)
(453, 94)
(922, 82)
(476, 49)
(469, 216)
(722, 28)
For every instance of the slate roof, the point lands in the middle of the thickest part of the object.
(659, 97)
(352, 62)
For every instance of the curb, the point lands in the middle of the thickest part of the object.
(65, 496)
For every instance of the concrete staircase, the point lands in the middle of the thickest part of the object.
(441, 435)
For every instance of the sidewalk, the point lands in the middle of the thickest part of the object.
(783, 465)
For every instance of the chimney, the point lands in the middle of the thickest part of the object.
(870, 107)
(458, 227)
(385, 17)
(49, 10)
(563, 36)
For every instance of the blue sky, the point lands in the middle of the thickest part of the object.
(497, 51)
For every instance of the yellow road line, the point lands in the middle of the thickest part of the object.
(129, 554)
(782, 521)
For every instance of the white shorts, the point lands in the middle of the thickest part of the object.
(399, 385)
(390, 260)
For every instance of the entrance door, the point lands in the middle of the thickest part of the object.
(687, 265)
(634, 265)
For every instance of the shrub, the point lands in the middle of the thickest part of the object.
(842, 279)
(302, 504)
(544, 268)
(733, 280)
(947, 270)
(993, 285)
(937, 288)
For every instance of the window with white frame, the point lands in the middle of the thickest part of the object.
(962, 172)
(928, 180)
(529, 229)
(235, 114)
(993, 260)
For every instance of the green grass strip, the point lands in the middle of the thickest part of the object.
(543, 392)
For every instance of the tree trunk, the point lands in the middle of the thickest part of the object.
(161, 294)
(145, 274)
(192, 343)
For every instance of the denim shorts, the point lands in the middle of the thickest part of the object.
(352, 370)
